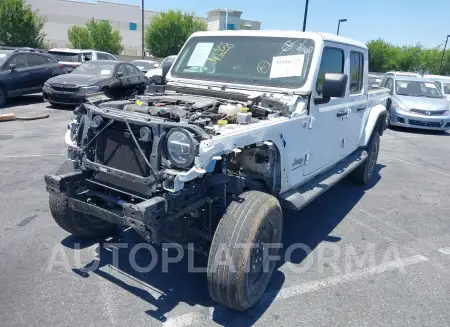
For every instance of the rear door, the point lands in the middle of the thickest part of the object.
(40, 68)
(326, 127)
(136, 76)
(357, 99)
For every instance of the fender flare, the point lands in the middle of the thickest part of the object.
(376, 120)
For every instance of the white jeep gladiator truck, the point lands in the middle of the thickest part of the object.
(250, 122)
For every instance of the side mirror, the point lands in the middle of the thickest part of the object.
(12, 66)
(156, 65)
(119, 74)
(165, 68)
(334, 85)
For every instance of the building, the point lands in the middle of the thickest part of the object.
(230, 20)
(62, 14)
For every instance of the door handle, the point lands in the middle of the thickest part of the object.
(342, 114)
(361, 108)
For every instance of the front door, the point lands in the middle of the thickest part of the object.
(357, 100)
(17, 81)
(326, 121)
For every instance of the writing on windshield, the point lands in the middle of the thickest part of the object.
(251, 60)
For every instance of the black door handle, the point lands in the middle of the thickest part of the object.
(341, 114)
(360, 108)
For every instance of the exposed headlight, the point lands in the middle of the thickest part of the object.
(88, 89)
(181, 147)
(399, 106)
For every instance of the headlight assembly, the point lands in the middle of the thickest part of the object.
(181, 147)
(398, 106)
(88, 89)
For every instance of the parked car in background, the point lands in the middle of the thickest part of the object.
(399, 73)
(373, 81)
(375, 77)
(116, 79)
(416, 102)
(443, 82)
(144, 65)
(71, 58)
(157, 70)
(24, 71)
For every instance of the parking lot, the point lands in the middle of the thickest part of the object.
(401, 218)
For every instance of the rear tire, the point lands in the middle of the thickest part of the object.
(239, 280)
(363, 174)
(74, 222)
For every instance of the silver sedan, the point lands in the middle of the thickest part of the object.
(416, 102)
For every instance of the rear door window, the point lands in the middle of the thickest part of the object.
(356, 71)
(37, 60)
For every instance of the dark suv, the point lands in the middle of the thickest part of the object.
(24, 71)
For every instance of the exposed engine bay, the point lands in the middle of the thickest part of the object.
(209, 113)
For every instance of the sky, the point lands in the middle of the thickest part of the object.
(401, 22)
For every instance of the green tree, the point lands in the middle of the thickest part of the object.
(97, 35)
(168, 31)
(80, 38)
(20, 26)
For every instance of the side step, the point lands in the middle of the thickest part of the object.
(297, 198)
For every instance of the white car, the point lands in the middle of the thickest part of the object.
(71, 58)
(443, 82)
(253, 121)
(157, 71)
(144, 65)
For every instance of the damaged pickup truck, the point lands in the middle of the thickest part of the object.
(250, 122)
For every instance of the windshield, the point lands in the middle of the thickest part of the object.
(261, 61)
(4, 54)
(66, 56)
(95, 69)
(143, 65)
(417, 89)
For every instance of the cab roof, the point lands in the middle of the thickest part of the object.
(288, 34)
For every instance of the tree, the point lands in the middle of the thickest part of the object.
(20, 26)
(168, 31)
(97, 35)
(79, 37)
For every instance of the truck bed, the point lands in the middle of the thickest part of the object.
(377, 95)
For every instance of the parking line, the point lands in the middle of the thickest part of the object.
(34, 155)
(445, 250)
(190, 319)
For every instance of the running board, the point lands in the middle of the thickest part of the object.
(299, 197)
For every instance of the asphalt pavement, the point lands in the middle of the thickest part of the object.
(380, 255)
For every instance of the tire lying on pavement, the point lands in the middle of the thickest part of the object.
(239, 268)
(74, 222)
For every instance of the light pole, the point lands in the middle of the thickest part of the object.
(142, 27)
(339, 24)
(443, 53)
(305, 15)
(226, 18)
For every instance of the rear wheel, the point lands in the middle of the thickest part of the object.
(363, 174)
(240, 261)
(74, 222)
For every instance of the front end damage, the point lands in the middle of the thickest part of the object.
(161, 165)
